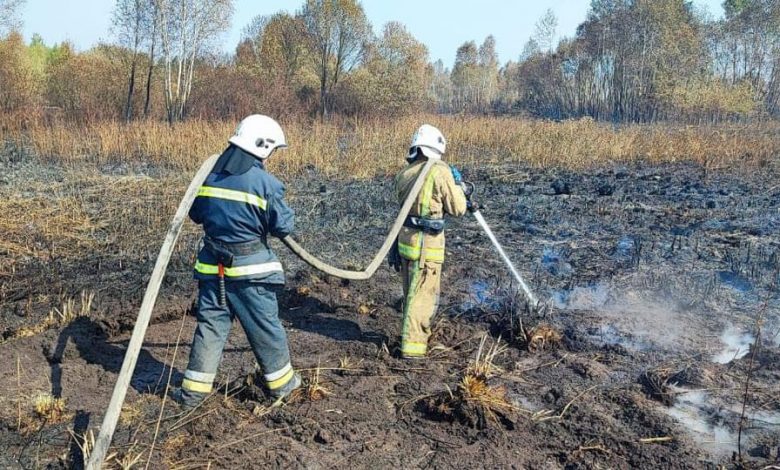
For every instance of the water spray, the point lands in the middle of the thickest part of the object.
(468, 189)
(111, 416)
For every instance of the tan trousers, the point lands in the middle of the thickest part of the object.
(421, 299)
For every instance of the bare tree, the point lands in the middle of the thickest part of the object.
(252, 35)
(545, 31)
(134, 24)
(9, 15)
(187, 28)
(153, 28)
(530, 49)
(338, 31)
(440, 90)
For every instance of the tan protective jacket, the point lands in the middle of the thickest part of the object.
(440, 195)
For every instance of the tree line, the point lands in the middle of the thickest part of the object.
(629, 61)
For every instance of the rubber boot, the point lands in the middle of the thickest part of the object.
(294, 383)
(188, 400)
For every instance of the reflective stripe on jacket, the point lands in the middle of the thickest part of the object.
(440, 195)
(238, 209)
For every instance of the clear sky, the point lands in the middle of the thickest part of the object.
(441, 24)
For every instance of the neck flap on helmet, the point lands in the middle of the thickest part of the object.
(234, 161)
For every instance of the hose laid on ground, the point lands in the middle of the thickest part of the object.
(103, 441)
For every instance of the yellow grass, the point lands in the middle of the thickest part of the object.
(365, 148)
(491, 399)
(87, 213)
(484, 363)
(49, 408)
(474, 394)
(58, 316)
(40, 227)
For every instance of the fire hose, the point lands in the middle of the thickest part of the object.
(111, 417)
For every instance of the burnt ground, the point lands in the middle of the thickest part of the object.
(657, 278)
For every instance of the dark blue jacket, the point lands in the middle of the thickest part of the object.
(242, 208)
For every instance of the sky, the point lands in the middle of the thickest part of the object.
(442, 25)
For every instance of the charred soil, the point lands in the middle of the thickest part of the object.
(655, 275)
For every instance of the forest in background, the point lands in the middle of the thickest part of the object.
(631, 61)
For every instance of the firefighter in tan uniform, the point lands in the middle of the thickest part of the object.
(420, 246)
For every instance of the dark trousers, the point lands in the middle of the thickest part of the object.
(257, 310)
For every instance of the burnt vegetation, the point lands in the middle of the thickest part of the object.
(641, 207)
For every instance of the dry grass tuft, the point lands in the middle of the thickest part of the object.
(260, 410)
(346, 363)
(69, 311)
(484, 363)
(131, 413)
(490, 400)
(541, 337)
(66, 313)
(312, 389)
(85, 443)
(348, 366)
(50, 409)
(475, 402)
(126, 460)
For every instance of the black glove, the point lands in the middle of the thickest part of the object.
(394, 257)
(472, 205)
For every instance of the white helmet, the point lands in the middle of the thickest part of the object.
(430, 141)
(259, 135)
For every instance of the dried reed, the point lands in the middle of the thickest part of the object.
(367, 148)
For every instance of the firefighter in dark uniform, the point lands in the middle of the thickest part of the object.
(239, 206)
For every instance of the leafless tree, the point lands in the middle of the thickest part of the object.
(153, 28)
(338, 31)
(252, 35)
(545, 31)
(488, 65)
(9, 15)
(187, 29)
(134, 25)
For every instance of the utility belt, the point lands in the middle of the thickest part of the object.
(225, 253)
(429, 226)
